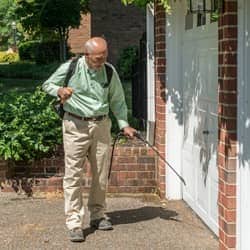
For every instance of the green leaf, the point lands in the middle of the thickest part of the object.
(28, 128)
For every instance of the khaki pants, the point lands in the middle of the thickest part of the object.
(85, 139)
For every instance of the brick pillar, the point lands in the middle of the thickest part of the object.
(3, 169)
(160, 94)
(227, 122)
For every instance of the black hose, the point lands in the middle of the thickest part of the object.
(112, 153)
(137, 135)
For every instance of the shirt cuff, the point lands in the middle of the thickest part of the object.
(55, 90)
(122, 124)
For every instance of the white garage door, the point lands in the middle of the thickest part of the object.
(200, 78)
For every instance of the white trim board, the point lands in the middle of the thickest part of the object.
(243, 120)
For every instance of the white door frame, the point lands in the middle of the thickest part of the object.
(243, 166)
(150, 73)
(174, 124)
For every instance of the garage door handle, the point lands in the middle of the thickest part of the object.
(205, 132)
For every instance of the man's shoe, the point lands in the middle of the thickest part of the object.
(76, 235)
(101, 224)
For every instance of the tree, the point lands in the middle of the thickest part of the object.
(143, 3)
(7, 18)
(54, 15)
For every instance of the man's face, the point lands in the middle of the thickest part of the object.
(96, 60)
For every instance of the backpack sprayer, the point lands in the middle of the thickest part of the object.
(138, 135)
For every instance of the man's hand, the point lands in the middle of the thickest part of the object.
(64, 93)
(129, 131)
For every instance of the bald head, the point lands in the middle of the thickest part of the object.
(96, 52)
(95, 45)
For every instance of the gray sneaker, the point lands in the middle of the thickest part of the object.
(101, 224)
(76, 235)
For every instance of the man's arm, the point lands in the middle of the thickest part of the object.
(56, 80)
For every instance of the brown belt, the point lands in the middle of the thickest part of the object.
(94, 118)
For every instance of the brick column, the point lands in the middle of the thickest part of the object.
(3, 169)
(160, 94)
(227, 123)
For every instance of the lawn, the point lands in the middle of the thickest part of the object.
(18, 85)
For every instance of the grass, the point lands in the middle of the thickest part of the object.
(24, 76)
(18, 85)
(27, 70)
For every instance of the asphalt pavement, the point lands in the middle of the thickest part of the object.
(140, 222)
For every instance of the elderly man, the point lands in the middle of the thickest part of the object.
(86, 131)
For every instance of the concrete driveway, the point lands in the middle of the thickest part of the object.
(139, 223)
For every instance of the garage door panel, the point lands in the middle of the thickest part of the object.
(200, 99)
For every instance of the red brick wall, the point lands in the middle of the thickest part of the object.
(3, 168)
(77, 37)
(160, 94)
(133, 171)
(227, 112)
(122, 26)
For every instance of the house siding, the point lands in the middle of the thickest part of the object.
(227, 124)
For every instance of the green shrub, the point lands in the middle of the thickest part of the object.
(127, 58)
(8, 57)
(47, 52)
(29, 128)
(27, 50)
(39, 52)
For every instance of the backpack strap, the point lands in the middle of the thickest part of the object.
(109, 73)
(72, 67)
(71, 70)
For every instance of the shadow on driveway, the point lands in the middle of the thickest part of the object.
(141, 214)
(137, 215)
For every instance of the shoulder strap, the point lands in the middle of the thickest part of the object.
(109, 72)
(71, 70)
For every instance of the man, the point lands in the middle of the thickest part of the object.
(86, 131)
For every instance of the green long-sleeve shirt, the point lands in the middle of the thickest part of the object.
(90, 95)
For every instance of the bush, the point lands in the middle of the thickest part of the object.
(40, 52)
(127, 58)
(29, 129)
(47, 52)
(27, 50)
(8, 57)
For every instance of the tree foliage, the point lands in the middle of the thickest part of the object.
(143, 3)
(54, 15)
(7, 17)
